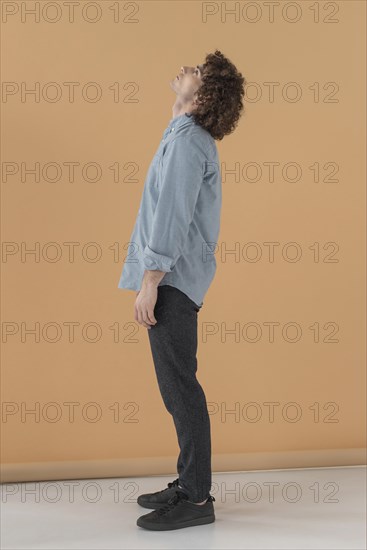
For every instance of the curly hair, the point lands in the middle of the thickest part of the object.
(219, 97)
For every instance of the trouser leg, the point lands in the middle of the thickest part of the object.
(173, 342)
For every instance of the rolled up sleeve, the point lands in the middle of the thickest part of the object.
(182, 174)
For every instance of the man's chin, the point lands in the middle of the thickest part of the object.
(173, 86)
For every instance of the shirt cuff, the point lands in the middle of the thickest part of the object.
(153, 261)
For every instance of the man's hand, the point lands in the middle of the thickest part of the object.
(146, 298)
(145, 302)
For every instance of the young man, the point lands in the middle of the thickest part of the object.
(171, 264)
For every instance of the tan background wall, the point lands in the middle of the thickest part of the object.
(312, 287)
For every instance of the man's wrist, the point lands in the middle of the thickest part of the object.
(152, 278)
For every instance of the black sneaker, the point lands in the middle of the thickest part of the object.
(159, 498)
(178, 513)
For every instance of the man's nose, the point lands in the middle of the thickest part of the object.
(184, 69)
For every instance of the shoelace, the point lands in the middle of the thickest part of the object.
(176, 482)
(171, 484)
(173, 501)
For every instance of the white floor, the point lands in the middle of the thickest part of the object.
(275, 509)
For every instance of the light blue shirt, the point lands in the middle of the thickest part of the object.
(178, 222)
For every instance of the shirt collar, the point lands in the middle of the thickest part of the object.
(178, 120)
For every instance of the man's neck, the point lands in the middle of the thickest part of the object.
(180, 108)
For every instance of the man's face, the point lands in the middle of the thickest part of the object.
(187, 82)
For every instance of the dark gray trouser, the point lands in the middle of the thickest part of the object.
(173, 342)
